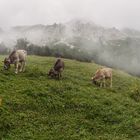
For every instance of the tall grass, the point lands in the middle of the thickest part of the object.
(37, 107)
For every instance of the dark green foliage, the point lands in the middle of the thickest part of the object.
(21, 44)
(78, 53)
(3, 49)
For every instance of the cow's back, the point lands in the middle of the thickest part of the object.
(18, 55)
(21, 55)
(59, 65)
(107, 72)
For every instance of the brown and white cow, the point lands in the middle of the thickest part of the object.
(101, 76)
(18, 58)
(56, 71)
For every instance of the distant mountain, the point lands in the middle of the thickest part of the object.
(44, 34)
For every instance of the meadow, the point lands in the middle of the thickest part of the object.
(37, 107)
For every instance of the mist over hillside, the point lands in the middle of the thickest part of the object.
(107, 46)
(43, 34)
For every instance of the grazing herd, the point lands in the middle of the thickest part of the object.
(18, 58)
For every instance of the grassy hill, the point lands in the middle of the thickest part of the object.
(37, 107)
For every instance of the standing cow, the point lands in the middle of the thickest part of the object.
(18, 58)
(101, 76)
(56, 71)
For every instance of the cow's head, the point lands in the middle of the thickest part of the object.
(6, 64)
(52, 73)
(95, 80)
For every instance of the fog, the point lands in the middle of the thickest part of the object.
(117, 13)
(105, 14)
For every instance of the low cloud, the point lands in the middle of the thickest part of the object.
(116, 13)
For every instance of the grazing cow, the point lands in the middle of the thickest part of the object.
(56, 71)
(101, 76)
(18, 58)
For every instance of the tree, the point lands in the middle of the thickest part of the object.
(22, 44)
(3, 48)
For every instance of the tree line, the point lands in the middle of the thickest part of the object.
(54, 50)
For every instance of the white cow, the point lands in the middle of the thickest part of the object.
(101, 76)
(18, 58)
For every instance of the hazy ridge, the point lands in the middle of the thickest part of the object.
(113, 47)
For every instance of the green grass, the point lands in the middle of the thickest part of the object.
(39, 108)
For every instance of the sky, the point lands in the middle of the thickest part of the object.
(109, 13)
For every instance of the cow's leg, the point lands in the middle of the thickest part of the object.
(16, 67)
(101, 83)
(60, 74)
(21, 67)
(24, 64)
(104, 82)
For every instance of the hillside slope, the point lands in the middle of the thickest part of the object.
(36, 107)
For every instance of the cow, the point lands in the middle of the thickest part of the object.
(56, 71)
(18, 58)
(101, 76)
